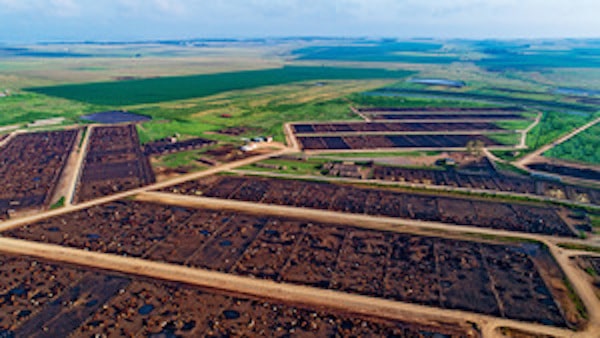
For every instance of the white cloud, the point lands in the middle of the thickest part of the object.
(463, 18)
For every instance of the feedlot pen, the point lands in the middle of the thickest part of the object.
(516, 281)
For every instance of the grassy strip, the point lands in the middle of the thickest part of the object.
(575, 299)
(579, 247)
(59, 204)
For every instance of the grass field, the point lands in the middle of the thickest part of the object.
(585, 147)
(22, 108)
(552, 126)
(262, 111)
(133, 92)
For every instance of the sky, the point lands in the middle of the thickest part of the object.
(126, 20)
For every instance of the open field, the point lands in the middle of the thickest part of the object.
(22, 108)
(46, 299)
(30, 168)
(133, 92)
(582, 148)
(384, 202)
(446, 273)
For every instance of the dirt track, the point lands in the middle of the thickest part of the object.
(70, 173)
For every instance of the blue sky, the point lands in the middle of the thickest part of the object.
(51, 20)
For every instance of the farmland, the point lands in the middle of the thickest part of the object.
(31, 165)
(114, 162)
(446, 273)
(381, 202)
(178, 88)
(108, 304)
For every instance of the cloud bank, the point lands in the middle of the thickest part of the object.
(31, 20)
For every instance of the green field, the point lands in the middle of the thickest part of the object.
(585, 147)
(23, 108)
(404, 52)
(133, 92)
(552, 126)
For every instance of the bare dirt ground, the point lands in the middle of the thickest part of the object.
(70, 173)
(294, 293)
(279, 291)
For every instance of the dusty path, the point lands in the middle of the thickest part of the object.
(522, 163)
(8, 138)
(290, 137)
(70, 171)
(359, 113)
(524, 133)
(582, 287)
(73, 176)
(279, 291)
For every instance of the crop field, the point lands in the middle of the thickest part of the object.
(381, 202)
(381, 127)
(584, 147)
(447, 273)
(489, 181)
(114, 162)
(156, 90)
(30, 167)
(393, 141)
(59, 300)
(566, 170)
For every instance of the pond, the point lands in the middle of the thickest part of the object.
(439, 82)
(110, 117)
(575, 91)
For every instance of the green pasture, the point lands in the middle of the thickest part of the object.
(584, 147)
(134, 92)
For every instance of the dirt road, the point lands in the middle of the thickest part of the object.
(73, 176)
(70, 173)
(524, 133)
